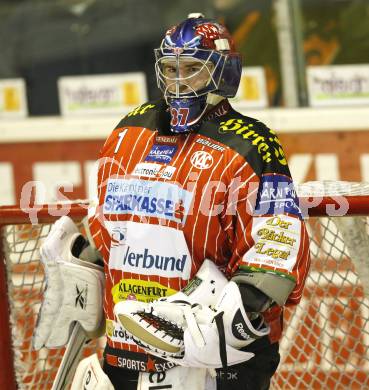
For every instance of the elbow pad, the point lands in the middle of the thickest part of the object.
(253, 299)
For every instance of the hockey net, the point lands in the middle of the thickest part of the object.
(326, 338)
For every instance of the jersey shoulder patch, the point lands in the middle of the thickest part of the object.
(252, 139)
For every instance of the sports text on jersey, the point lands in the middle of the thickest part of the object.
(143, 363)
(149, 199)
(277, 195)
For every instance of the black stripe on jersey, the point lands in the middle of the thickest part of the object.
(247, 136)
(152, 115)
(250, 138)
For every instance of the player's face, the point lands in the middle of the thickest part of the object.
(187, 75)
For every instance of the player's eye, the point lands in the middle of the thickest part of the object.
(169, 69)
(195, 69)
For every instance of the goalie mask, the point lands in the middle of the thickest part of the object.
(195, 58)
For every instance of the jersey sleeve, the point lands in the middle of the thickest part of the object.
(146, 115)
(98, 233)
(270, 248)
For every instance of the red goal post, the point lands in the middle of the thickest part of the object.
(326, 337)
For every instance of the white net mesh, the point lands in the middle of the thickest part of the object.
(332, 188)
(34, 369)
(326, 338)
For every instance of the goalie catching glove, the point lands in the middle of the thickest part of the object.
(203, 325)
(74, 287)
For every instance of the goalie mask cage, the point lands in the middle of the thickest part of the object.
(326, 337)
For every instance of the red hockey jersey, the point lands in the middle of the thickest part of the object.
(168, 201)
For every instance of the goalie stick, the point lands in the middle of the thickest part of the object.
(71, 358)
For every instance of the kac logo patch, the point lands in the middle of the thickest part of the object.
(161, 153)
(202, 160)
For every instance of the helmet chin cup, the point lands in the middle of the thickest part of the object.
(186, 113)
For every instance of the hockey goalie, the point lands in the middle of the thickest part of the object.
(199, 231)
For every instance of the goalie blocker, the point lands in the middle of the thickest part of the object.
(74, 287)
(72, 307)
(204, 325)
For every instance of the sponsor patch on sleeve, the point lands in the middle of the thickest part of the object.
(277, 241)
(277, 195)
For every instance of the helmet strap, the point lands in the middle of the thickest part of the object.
(214, 99)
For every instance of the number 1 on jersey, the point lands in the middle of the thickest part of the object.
(120, 139)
